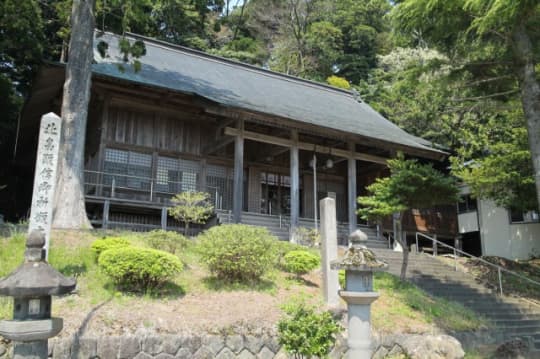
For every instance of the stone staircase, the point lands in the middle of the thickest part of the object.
(510, 317)
(279, 226)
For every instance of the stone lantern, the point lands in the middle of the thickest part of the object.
(31, 285)
(359, 264)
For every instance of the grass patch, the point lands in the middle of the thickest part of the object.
(404, 301)
(402, 307)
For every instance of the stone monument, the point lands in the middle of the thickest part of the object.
(359, 264)
(45, 177)
(329, 251)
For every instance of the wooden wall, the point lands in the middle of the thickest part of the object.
(151, 130)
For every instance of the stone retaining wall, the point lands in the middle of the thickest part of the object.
(232, 346)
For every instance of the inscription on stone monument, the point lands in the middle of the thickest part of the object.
(45, 176)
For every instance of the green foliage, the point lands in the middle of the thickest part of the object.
(410, 185)
(337, 81)
(191, 207)
(139, 269)
(281, 248)
(504, 175)
(167, 241)
(237, 252)
(300, 262)
(101, 245)
(304, 333)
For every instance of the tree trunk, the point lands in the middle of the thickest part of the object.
(398, 236)
(530, 95)
(70, 212)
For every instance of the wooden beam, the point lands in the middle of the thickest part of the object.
(213, 148)
(351, 176)
(238, 184)
(295, 182)
(259, 137)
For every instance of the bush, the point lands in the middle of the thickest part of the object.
(167, 241)
(281, 248)
(300, 262)
(236, 252)
(306, 333)
(101, 245)
(139, 269)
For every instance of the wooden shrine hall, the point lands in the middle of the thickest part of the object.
(257, 141)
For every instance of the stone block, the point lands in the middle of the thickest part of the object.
(152, 345)
(84, 348)
(3, 350)
(272, 343)
(143, 355)
(433, 347)
(396, 351)
(225, 353)
(245, 354)
(213, 342)
(203, 353)
(282, 354)
(380, 353)
(265, 353)
(129, 347)
(171, 344)
(183, 353)
(164, 356)
(253, 344)
(107, 347)
(235, 343)
(192, 343)
(62, 349)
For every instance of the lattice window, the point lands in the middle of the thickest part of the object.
(177, 175)
(128, 168)
(219, 183)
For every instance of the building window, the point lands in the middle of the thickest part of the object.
(177, 175)
(129, 169)
(467, 204)
(524, 217)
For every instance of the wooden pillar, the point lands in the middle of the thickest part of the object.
(295, 183)
(105, 220)
(164, 218)
(351, 175)
(238, 193)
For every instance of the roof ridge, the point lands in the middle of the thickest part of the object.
(244, 65)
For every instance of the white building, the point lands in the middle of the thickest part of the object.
(489, 230)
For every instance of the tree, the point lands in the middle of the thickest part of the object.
(191, 207)
(411, 185)
(490, 40)
(70, 211)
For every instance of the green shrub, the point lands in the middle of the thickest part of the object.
(101, 245)
(139, 269)
(300, 262)
(306, 333)
(236, 252)
(167, 241)
(281, 248)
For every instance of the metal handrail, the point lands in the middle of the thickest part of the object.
(456, 250)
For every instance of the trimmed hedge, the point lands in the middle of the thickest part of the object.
(300, 262)
(167, 241)
(237, 252)
(139, 269)
(101, 245)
